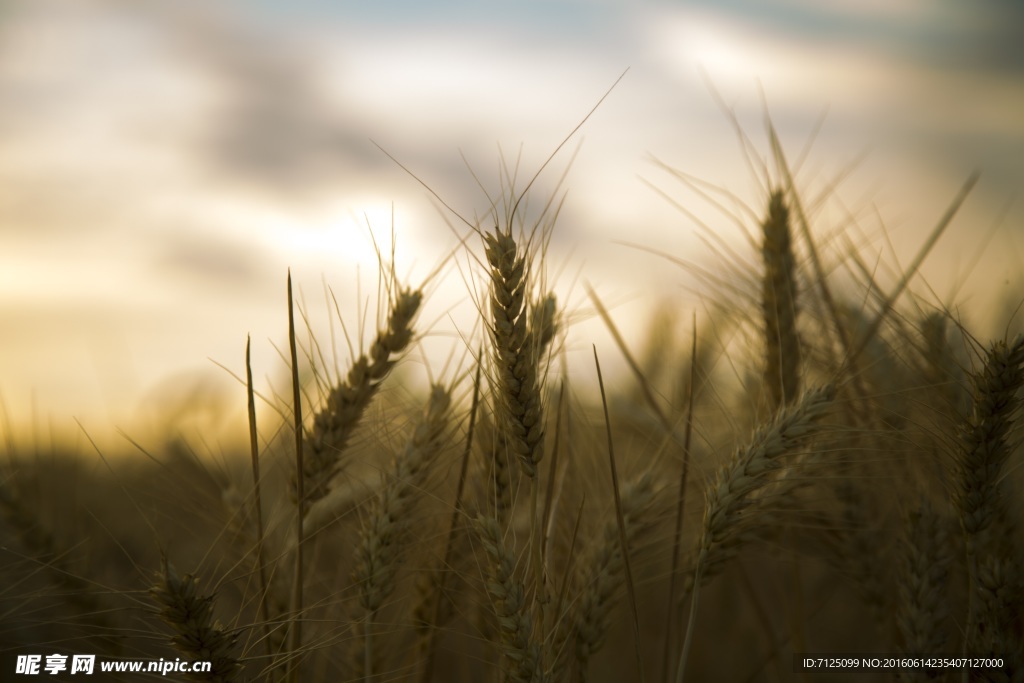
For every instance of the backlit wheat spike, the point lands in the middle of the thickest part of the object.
(751, 469)
(778, 297)
(346, 402)
(731, 499)
(516, 349)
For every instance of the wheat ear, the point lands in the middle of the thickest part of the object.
(346, 402)
(385, 529)
(519, 337)
(603, 567)
(778, 298)
(429, 610)
(923, 585)
(542, 329)
(732, 494)
(197, 635)
(984, 446)
(984, 451)
(509, 597)
(998, 600)
(515, 350)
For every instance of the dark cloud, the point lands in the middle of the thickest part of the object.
(273, 128)
(276, 130)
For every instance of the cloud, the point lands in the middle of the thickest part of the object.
(979, 36)
(272, 126)
(213, 265)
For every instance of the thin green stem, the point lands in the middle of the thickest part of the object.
(295, 626)
(692, 620)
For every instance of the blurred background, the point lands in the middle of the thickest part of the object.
(165, 162)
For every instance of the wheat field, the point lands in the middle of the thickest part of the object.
(812, 462)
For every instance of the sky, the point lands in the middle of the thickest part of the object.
(165, 163)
